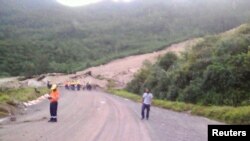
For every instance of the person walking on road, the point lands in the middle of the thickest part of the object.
(146, 102)
(54, 96)
(88, 86)
(48, 84)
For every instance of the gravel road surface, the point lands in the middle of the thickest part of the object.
(97, 116)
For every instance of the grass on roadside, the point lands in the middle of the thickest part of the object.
(21, 94)
(227, 114)
(12, 97)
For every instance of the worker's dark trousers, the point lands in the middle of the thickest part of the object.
(53, 109)
(147, 107)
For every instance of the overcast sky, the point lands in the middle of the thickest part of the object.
(85, 2)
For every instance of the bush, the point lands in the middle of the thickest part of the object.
(192, 92)
(214, 72)
(172, 93)
(168, 60)
(137, 83)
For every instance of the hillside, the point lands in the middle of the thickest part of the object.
(42, 36)
(117, 72)
(215, 71)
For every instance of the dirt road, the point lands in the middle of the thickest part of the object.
(97, 116)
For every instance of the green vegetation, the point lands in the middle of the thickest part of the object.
(11, 98)
(21, 94)
(42, 36)
(214, 72)
(228, 114)
(125, 94)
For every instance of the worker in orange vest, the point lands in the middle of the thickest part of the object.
(54, 96)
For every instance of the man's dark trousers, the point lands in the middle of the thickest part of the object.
(53, 109)
(147, 107)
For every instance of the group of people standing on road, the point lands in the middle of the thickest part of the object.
(54, 96)
(76, 85)
(72, 85)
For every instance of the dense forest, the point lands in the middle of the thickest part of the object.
(215, 71)
(40, 36)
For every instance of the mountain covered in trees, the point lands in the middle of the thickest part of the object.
(40, 36)
(215, 71)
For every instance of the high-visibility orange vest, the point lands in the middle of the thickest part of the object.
(54, 96)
